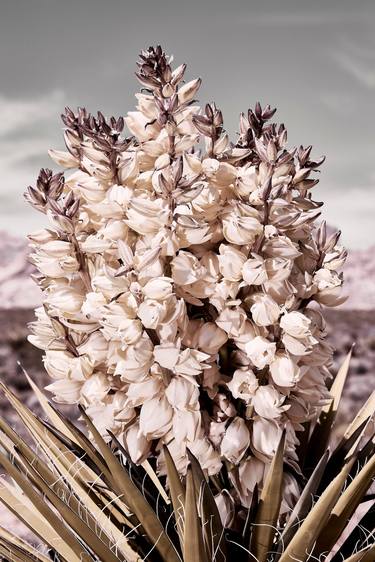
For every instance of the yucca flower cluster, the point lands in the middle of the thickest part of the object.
(179, 277)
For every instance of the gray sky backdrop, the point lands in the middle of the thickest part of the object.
(315, 61)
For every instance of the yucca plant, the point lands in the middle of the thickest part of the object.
(93, 503)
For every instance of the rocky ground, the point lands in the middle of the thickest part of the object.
(353, 322)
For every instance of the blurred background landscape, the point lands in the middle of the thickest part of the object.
(314, 61)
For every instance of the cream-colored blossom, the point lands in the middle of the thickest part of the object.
(235, 441)
(136, 443)
(243, 384)
(268, 402)
(295, 324)
(231, 262)
(260, 351)
(156, 417)
(284, 370)
(265, 311)
(254, 271)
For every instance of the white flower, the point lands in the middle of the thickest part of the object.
(250, 474)
(211, 338)
(113, 415)
(135, 362)
(92, 305)
(235, 441)
(64, 159)
(136, 443)
(61, 364)
(146, 216)
(65, 391)
(152, 313)
(95, 389)
(188, 91)
(182, 394)
(155, 418)
(186, 268)
(232, 321)
(265, 438)
(241, 230)
(254, 271)
(208, 457)
(139, 125)
(295, 324)
(243, 384)
(284, 370)
(167, 354)
(268, 402)
(281, 247)
(265, 311)
(95, 347)
(260, 351)
(231, 262)
(139, 392)
(158, 289)
(186, 425)
(66, 299)
(190, 362)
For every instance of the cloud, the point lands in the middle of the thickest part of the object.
(27, 131)
(21, 113)
(352, 211)
(358, 61)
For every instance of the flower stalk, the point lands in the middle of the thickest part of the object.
(183, 277)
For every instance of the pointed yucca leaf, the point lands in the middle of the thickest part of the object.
(365, 555)
(14, 499)
(147, 486)
(177, 493)
(263, 532)
(72, 471)
(358, 532)
(304, 539)
(139, 476)
(76, 523)
(346, 506)
(369, 555)
(84, 443)
(80, 553)
(67, 442)
(303, 505)
(194, 550)
(154, 478)
(250, 517)
(213, 529)
(33, 464)
(123, 485)
(34, 425)
(366, 451)
(320, 436)
(26, 456)
(37, 428)
(342, 452)
(8, 538)
(365, 413)
(100, 511)
(9, 552)
(48, 410)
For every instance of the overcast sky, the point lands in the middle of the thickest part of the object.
(315, 61)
